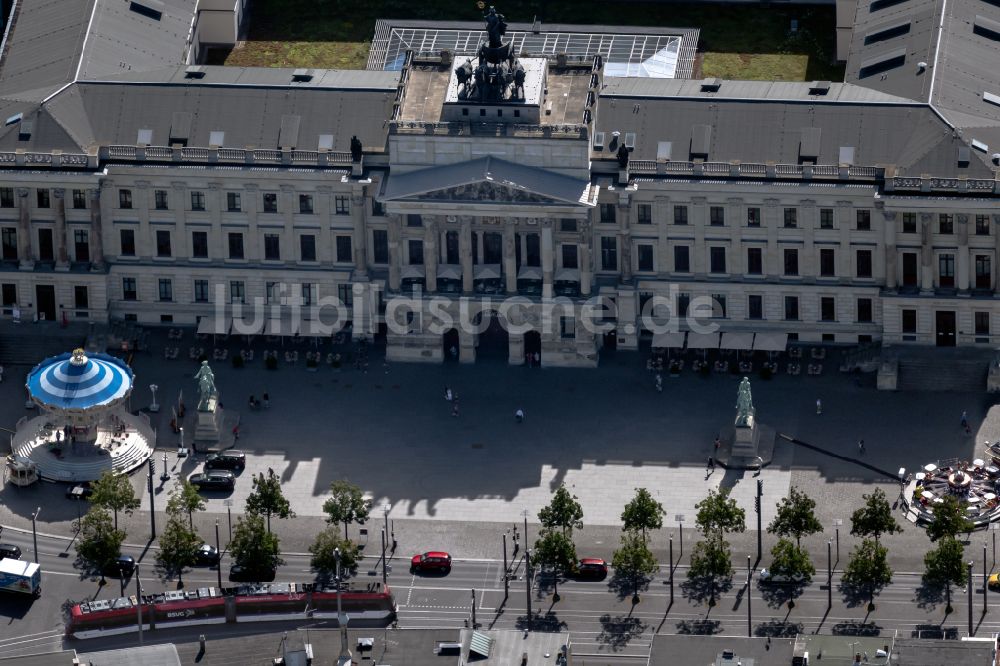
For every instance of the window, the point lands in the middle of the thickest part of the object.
(201, 291)
(199, 244)
(235, 245)
(307, 247)
(378, 210)
(492, 248)
(124, 198)
(451, 248)
(827, 309)
(683, 301)
(645, 212)
(680, 214)
(129, 291)
(982, 323)
(81, 297)
(380, 246)
(755, 261)
(345, 294)
(755, 306)
(791, 261)
(197, 200)
(909, 321)
(126, 240)
(416, 252)
(344, 250)
(532, 245)
(567, 327)
(7, 197)
(272, 247)
(645, 257)
(413, 220)
(163, 243)
(791, 308)
(946, 270)
(946, 223)
(8, 292)
(237, 293)
(342, 205)
(716, 216)
(609, 253)
(160, 199)
(45, 245)
(984, 271)
(233, 204)
(42, 197)
(826, 218)
(791, 218)
(717, 259)
(569, 256)
(608, 213)
(166, 290)
(567, 225)
(864, 260)
(865, 310)
(753, 217)
(864, 218)
(79, 199)
(719, 306)
(909, 223)
(305, 204)
(982, 225)
(682, 260)
(272, 293)
(827, 263)
(9, 238)
(309, 291)
(270, 202)
(81, 245)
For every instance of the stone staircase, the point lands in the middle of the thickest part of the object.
(937, 369)
(29, 343)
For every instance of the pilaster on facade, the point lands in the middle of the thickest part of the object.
(926, 254)
(24, 244)
(889, 233)
(962, 264)
(995, 228)
(100, 209)
(395, 260)
(62, 258)
(359, 216)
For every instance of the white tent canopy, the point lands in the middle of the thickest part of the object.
(567, 275)
(668, 340)
(529, 273)
(412, 271)
(243, 327)
(737, 341)
(312, 328)
(210, 325)
(449, 272)
(771, 342)
(285, 326)
(703, 340)
(487, 272)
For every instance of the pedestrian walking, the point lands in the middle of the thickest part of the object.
(819, 406)
(447, 394)
(454, 406)
(718, 443)
(519, 415)
(236, 432)
(267, 400)
(965, 420)
(538, 359)
(968, 429)
(861, 446)
(711, 463)
(659, 383)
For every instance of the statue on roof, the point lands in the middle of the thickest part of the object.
(498, 76)
(622, 156)
(356, 149)
(496, 27)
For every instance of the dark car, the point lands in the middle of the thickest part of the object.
(435, 561)
(123, 566)
(81, 491)
(592, 568)
(215, 480)
(246, 574)
(207, 555)
(231, 460)
(9, 551)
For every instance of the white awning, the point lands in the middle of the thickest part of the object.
(242, 327)
(487, 272)
(412, 271)
(737, 341)
(669, 340)
(286, 326)
(529, 273)
(771, 342)
(567, 275)
(449, 272)
(703, 340)
(209, 325)
(312, 328)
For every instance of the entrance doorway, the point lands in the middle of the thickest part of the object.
(945, 328)
(611, 340)
(45, 301)
(532, 346)
(451, 344)
(494, 341)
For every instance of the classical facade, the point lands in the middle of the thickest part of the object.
(426, 196)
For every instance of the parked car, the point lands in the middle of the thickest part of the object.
(239, 573)
(993, 582)
(81, 491)
(122, 566)
(9, 550)
(231, 460)
(432, 561)
(207, 555)
(214, 480)
(592, 568)
(766, 576)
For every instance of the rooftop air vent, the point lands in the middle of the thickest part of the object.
(963, 156)
(598, 140)
(980, 146)
(819, 87)
(809, 144)
(25, 129)
(288, 134)
(710, 85)
(216, 139)
(663, 151)
(991, 98)
(986, 27)
(149, 8)
(144, 137)
(846, 156)
(302, 75)
(325, 143)
(180, 128)
(882, 63)
(996, 158)
(194, 72)
(630, 140)
(701, 140)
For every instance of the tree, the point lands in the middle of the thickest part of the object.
(555, 550)
(633, 559)
(711, 559)
(949, 520)
(563, 512)
(253, 546)
(868, 568)
(718, 514)
(874, 518)
(945, 565)
(185, 498)
(114, 492)
(178, 546)
(99, 542)
(643, 513)
(323, 551)
(346, 505)
(796, 517)
(790, 559)
(266, 499)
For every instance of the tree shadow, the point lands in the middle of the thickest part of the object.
(699, 627)
(547, 622)
(700, 588)
(778, 629)
(856, 595)
(776, 596)
(618, 631)
(625, 586)
(929, 595)
(856, 629)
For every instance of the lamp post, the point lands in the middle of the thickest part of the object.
(829, 574)
(527, 580)
(152, 508)
(760, 492)
(345, 652)
(749, 595)
(34, 532)
(229, 514)
(985, 581)
(217, 550)
(837, 523)
(671, 569)
(384, 572)
(181, 429)
(138, 601)
(154, 407)
(164, 475)
(972, 588)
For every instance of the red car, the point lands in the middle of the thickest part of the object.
(433, 561)
(592, 567)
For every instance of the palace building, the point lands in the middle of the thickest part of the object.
(472, 163)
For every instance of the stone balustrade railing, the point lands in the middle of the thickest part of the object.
(211, 156)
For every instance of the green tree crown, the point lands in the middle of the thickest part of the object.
(98, 542)
(178, 545)
(796, 516)
(252, 545)
(874, 518)
(633, 557)
(643, 512)
(555, 550)
(266, 499)
(711, 559)
(346, 505)
(114, 492)
(949, 520)
(789, 559)
(563, 512)
(718, 514)
(868, 566)
(945, 565)
(323, 551)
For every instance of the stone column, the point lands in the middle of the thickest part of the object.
(809, 266)
(394, 259)
(183, 244)
(24, 229)
(62, 258)
(699, 249)
(465, 252)
(773, 261)
(889, 236)
(962, 268)
(97, 230)
(430, 254)
(586, 272)
(996, 255)
(926, 255)
(845, 224)
(251, 202)
(324, 238)
(359, 213)
(509, 257)
(547, 258)
(625, 238)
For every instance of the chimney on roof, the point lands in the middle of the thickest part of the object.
(194, 72)
(819, 87)
(711, 85)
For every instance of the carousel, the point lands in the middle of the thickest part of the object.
(84, 427)
(975, 484)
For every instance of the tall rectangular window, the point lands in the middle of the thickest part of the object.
(608, 213)
(682, 259)
(380, 246)
(719, 306)
(755, 306)
(946, 223)
(270, 200)
(981, 322)
(645, 253)
(864, 261)
(197, 200)
(305, 204)
(129, 290)
(344, 250)
(609, 253)
(864, 219)
(414, 220)
(791, 218)
(81, 245)
(492, 248)
(451, 248)
(272, 247)
(568, 225)
(827, 262)
(569, 256)
(163, 243)
(166, 289)
(126, 240)
(946, 270)
(645, 213)
(984, 271)
(909, 321)
(791, 308)
(81, 297)
(309, 292)
(717, 259)
(7, 197)
(791, 261)
(680, 215)
(9, 237)
(532, 244)
(982, 225)
(307, 247)
(909, 223)
(79, 199)
(826, 218)
(124, 198)
(272, 293)
(42, 197)
(233, 204)
(199, 244)
(755, 261)
(235, 245)
(865, 310)
(342, 205)
(160, 199)
(378, 208)
(237, 292)
(415, 249)
(201, 291)
(753, 217)
(827, 308)
(716, 216)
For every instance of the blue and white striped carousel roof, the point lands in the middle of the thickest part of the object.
(74, 381)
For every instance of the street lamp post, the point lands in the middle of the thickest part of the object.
(152, 508)
(384, 573)
(138, 601)
(219, 551)
(671, 568)
(749, 595)
(121, 578)
(345, 652)
(985, 581)
(34, 532)
(527, 580)
(154, 407)
(164, 475)
(506, 569)
(829, 575)
(229, 515)
(837, 523)
(972, 588)
(760, 492)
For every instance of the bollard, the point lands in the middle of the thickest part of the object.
(201, 642)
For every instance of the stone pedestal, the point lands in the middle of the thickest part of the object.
(746, 438)
(209, 425)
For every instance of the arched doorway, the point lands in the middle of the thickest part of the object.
(494, 340)
(533, 346)
(451, 344)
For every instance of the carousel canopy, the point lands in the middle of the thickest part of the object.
(75, 381)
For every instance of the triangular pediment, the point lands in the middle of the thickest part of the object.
(487, 191)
